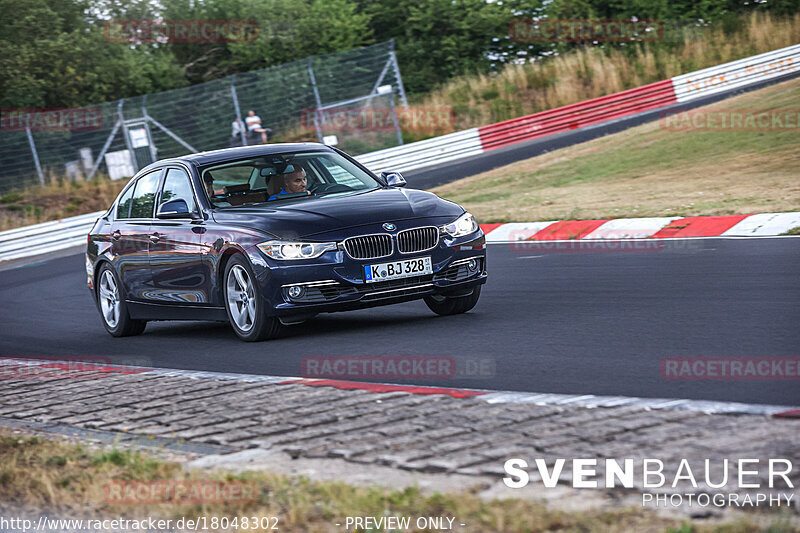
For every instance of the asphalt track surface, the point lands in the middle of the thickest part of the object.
(550, 319)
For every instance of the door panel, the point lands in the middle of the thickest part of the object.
(181, 259)
(130, 241)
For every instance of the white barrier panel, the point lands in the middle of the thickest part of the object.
(32, 250)
(737, 74)
(424, 153)
(44, 227)
(46, 237)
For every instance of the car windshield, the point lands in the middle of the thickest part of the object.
(278, 178)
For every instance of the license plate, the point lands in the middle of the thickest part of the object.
(405, 268)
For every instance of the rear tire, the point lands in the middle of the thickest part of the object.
(453, 305)
(244, 305)
(112, 307)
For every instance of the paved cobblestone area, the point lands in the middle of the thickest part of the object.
(436, 433)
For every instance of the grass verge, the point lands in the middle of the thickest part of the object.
(58, 199)
(650, 171)
(68, 480)
(593, 71)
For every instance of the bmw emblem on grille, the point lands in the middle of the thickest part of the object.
(388, 226)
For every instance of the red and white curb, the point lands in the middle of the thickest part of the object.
(760, 225)
(588, 401)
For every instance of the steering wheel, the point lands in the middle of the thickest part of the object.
(320, 188)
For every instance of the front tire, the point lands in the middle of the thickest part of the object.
(244, 305)
(453, 305)
(113, 310)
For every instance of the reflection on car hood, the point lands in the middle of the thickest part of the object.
(290, 219)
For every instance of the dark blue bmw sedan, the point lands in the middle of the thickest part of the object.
(268, 236)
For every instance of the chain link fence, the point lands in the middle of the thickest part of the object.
(294, 100)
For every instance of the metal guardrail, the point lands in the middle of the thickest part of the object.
(57, 235)
(46, 237)
(735, 74)
(580, 115)
(425, 153)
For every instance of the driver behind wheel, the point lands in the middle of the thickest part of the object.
(293, 183)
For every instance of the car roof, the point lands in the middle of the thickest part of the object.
(242, 152)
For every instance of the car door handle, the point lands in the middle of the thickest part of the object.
(116, 235)
(154, 238)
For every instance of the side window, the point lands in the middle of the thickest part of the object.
(144, 195)
(124, 205)
(177, 186)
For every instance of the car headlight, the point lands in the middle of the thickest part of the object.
(287, 250)
(463, 225)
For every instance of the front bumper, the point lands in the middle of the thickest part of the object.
(335, 281)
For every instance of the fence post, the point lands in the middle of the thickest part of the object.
(145, 116)
(317, 116)
(397, 74)
(396, 122)
(33, 149)
(238, 113)
(107, 144)
(125, 136)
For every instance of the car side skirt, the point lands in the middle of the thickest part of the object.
(151, 311)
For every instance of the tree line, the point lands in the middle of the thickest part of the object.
(59, 54)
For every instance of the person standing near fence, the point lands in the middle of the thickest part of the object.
(253, 122)
(237, 128)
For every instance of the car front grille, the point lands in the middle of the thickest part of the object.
(369, 246)
(414, 240)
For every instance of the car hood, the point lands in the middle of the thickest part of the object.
(290, 219)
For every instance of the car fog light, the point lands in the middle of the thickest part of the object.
(472, 265)
(296, 291)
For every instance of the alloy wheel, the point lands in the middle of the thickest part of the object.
(241, 298)
(109, 299)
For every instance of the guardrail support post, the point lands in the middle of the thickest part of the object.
(238, 113)
(153, 153)
(317, 117)
(33, 150)
(396, 123)
(126, 137)
(106, 145)
(396, 68)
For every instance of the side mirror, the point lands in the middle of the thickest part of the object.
(394, 179)
(174, 209)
